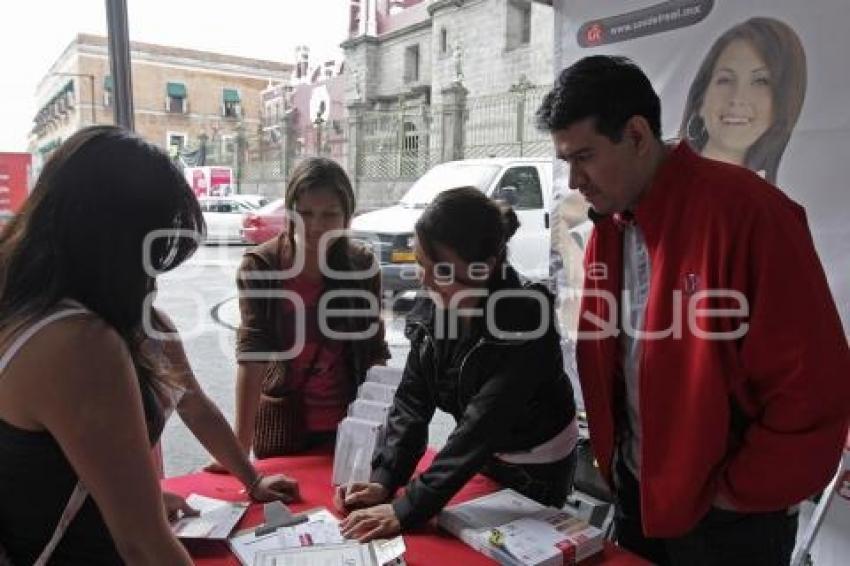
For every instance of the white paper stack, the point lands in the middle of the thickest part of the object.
(322, 527)
(551, 538)
(319, 538)
(359, 434)
(373, 391)
(215, 521)
(348, 554)
(356, 440)
(385, 375)
(515, 530)
(351, 554)
(375, 411)
(470, 519)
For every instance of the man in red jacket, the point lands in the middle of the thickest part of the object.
(715, 370)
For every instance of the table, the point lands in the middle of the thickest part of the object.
(425, 546)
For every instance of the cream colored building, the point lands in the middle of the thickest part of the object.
(179, 95)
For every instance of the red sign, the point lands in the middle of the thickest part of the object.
(209, 181)
(199, 183)
(14, 180)
(568, 552)
(219, 177)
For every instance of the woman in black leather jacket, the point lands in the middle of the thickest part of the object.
(484, 348)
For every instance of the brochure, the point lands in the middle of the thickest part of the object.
(515, 530)
(356, 440)
(385, 375)
(310, 541)
(372, 391)
(216, 520)
(375, 411)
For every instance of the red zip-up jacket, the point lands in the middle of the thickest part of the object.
(785, 363)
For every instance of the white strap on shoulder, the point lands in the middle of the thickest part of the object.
(78, 497)
(24, 337)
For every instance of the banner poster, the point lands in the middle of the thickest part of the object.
(760, 83)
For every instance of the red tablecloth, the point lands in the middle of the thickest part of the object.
(425, 546)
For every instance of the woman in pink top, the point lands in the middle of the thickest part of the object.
(293, 342)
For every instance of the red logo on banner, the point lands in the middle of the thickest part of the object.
(568, 552)
(690, 282)
(594, 33)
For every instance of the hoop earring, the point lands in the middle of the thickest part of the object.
(689, 131)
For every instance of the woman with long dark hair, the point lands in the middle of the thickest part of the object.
(484, 348)
(294, 380)
(89, 370)
(81, 397)
(747, 95)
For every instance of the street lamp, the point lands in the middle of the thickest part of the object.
(91, 83)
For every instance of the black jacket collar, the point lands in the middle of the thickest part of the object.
(515, 308)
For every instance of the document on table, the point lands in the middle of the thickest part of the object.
(348, 554)
(321, 528)
(389, 550)
(351, 554)
(321, 531)
(216, 520)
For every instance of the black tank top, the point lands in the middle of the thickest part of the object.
(36, 481)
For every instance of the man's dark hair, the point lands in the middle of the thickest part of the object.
(607, 88)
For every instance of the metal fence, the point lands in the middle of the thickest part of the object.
(394, 145)
(502, 125)
(263, 158)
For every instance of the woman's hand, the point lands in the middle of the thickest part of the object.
(278, 487)
(176, 507)
(364, 525)
(215, 468)
(359, 495)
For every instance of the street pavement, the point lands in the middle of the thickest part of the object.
(200, 297)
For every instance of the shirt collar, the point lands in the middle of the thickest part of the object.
(624, 219)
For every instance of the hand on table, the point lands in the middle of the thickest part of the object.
(215, 468)
(277, 487)
(364, 525)
(359, 495)
(175, 507)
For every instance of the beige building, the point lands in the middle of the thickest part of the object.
(180, 95)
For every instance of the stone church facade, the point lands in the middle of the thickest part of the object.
(432, 81)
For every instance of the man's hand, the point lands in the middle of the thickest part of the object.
(368, 524)
(278, 487)
(176, 507)
(359, 495)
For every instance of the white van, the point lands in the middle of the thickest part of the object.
(223, 217)
(524, 182)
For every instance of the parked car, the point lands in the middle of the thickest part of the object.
(264, 224)
(525, 183)
(223, 216)
(254, 201)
